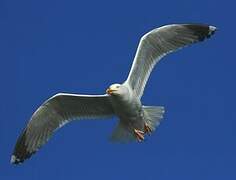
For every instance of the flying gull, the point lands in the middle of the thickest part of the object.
(121, 100)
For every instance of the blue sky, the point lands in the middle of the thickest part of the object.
(82, 47)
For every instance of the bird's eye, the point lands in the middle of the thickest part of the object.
(117, 86)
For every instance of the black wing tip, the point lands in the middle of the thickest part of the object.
(20, 157)
(21, 153)
(202, 31)
(16, 160)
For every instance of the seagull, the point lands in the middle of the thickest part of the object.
(120, 100)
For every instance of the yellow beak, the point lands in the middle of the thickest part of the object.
(110, 91)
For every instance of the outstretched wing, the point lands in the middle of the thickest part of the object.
(159, 42)
(53, 114)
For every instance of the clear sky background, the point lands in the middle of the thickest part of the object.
(52, 46)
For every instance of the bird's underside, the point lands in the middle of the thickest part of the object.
(121, 100)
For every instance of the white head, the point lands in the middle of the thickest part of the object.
(117, 90)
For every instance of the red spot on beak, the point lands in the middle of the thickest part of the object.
(110, 91)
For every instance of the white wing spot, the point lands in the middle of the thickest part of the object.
(14, 159)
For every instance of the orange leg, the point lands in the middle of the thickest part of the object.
(139, 135)
(147, 129)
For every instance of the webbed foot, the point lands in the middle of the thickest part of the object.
(139, 135)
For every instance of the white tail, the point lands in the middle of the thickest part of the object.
(122, 133)
(153, 115)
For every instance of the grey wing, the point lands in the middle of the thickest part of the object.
(53, 114)
(159, 42)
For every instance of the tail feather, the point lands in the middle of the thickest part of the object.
(154, 115)
(122, 134)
